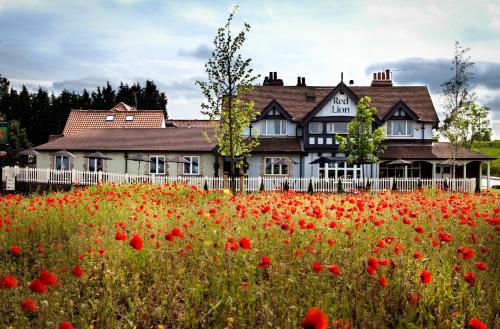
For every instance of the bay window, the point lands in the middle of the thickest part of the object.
(315, 127)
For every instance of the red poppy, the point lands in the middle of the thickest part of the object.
(8, 282)
(445, 237)
(335, 270)
(77, 271)
(37, 286)
(317, 267)
(169, 237)
(178, 233)
(315, 319)
(373, 263)
(47, 278)
(264, 262)
(383, 281)
(466, 252)
(475, 323)
(136, 242)
(371, 270)
(481, 266)
(120, 236)
(15, 250)
(245, 243)
(425, 277)
(417, 255)
(66, 325)
(419, 229)
(29, 305)
(470, 277)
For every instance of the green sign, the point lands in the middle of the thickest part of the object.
(4, 133)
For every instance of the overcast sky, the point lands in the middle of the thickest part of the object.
(82, 44)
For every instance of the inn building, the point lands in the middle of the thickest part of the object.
(297, 127)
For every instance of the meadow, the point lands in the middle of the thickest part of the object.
(173, 256)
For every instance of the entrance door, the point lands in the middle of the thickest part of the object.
(443, 171)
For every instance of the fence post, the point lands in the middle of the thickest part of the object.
(48, 175)
(126, 177)
(73, 176)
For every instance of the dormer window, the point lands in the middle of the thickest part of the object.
(110, 117)
(399, 128)
(273, 127)
(129, 118)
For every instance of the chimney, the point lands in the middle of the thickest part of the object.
(351, 82)
(273, 80)
(303, 81)
(382, 79)
(299, 82)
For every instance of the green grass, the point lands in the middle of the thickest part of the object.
(492, 149)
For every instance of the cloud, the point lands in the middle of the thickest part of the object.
(494, 104)
(201, 52)
(433, 72)
(185, 88)
(89, 83)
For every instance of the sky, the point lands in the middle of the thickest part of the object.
(71, 44)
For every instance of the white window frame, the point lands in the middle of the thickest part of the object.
(409, 127)
(311, 124)
(95, 160)
(330, 127)
(190, 159)
(280, 167)
(62, 162)
(110, 117)
(157, 157)
(283, 127)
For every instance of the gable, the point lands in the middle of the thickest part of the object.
(401, 111)
(274, 110)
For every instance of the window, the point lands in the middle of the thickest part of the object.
(110, 117)
(320, 140)
(274, 127)
(336, 127)
(275, 169)
(315, 127)
(61, 162)
(157, 164)
(312, 140)
(193, 167)
(129, 118)
(399, 128)
(95, 164)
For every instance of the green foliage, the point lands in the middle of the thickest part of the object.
(310, 187)
(362, 143)
(286, 186)
(446, 185)
(368, 186)
(419, 183)
(205, 185)
(492, 149)
(229, 77)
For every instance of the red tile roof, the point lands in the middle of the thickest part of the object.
(293, 99)
(134, 139)
(191, 123)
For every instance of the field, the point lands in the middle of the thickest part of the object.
(145, 256)
(492, 149)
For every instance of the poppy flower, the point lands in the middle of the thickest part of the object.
(475, 323)
(264, 262)
(29, 305)
(37, 286)
(169, 237)
(417, 255)
(371, 270)
(136, 242)
(245, 243)
(8, 282)
(120, 236)
(335, 270)
(425, 277)
(66, 325)
(470, 277)
(466, 252)
(373, 262)
(47, 278)
(445, 237)
(315, 319)
(77, 271)
(419, 229)
(178, 233)
(15, 250)
(383, 281)
(481, 266)
(317, 267)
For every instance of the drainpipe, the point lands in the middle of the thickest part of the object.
(423, 132)
(126, 162)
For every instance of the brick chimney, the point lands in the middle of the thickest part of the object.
(301, 82)
(382, 79)
(272, 80)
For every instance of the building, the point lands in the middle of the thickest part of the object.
(296, 129)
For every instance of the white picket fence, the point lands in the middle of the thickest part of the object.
(250, 184)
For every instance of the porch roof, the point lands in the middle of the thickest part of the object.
(436, 151)
(279, 145)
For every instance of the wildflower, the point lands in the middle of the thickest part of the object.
(417, 255)
(136, 242)
(77, 271)
(245, 243)
(475, 323)
(470, 277)
(315, 319)
(8, 282)
(481, 266)
(317, 267)
(444, 237)
(37, 286)
(383, 281)
(47, 278)
(335, 270)
(419, 229)
(29, 305)
(425, 277)
(465, 252)
(15, 250)
(264, 262)
(120, 236)
(66, 325)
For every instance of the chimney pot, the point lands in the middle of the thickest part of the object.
(270, 75)
(275, 75)
(351, 82)
(303, 81)
(374, 75)
(298, 81)
(388, 74)
(383, 75)
(379, 76)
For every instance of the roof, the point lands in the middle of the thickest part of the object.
(281, 144)
(133, 139)
(79, 120)
(293, 99)
(191, 123)
(438, 151)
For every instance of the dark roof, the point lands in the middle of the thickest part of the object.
(279, 144)
(134, 139)
(293, 99)
(437, 151)
(191, 123)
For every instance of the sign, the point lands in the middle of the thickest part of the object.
(341, 105)
(10, 183)
(4, 133)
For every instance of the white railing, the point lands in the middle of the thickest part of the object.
(250, 184)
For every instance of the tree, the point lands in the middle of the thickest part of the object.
(458, 90)
(362, 143)
(18, 141)
(229, 77)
